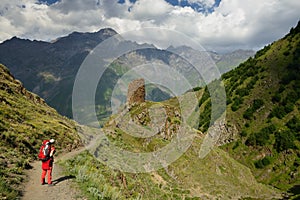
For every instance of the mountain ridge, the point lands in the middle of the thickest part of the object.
(49, 68)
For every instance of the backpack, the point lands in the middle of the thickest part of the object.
(44, 153)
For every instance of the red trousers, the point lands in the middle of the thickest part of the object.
(48, 173)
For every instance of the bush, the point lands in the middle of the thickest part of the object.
(262, 137)
(257, 103)
(248, 113)
(263, 162)
(251, 84)
(276, 98)
(289, 107)
(294, 124)
(243, 133)
(284, 141)
(242, 92)
(236, 104)
(286, 53)
(251, 141)
(278, 111)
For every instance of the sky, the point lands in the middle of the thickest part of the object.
(218, 25)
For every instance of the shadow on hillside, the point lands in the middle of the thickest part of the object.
(63, 178)
(293, 192)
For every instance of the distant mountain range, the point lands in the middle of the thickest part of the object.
(49, 68)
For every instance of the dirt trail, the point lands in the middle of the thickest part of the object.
(64, 186)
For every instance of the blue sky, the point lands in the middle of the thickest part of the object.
(183, 3)
(217, 25)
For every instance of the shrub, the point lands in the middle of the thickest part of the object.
(251, 84)
(276, 98)
(242, 92)
(263, 162)
(289, 107)
(257, 103)
(236, 104)
(294, 124)
(251, 141)
(278, 111)
(262, 137)
(284, 140)
(248, 113)
(243, 133)
(286, 53)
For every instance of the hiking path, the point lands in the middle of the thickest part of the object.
(64, 187)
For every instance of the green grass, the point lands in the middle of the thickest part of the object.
(271, 155)
(25, 120)
(216, 176)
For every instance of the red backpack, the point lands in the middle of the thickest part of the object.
(44, 153)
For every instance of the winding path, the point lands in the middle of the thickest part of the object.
(64, 186)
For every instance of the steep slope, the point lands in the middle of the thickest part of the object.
(26, 120)
(217, 176)
(263, 98)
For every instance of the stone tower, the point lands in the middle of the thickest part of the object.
(136, 92)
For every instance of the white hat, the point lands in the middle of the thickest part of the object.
(52, 141)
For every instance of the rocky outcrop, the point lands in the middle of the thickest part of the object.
(11, 85)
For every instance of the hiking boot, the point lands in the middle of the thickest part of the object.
(42, 183)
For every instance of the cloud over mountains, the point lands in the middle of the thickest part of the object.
(217, 25)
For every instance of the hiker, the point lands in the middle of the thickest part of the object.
(47, 164)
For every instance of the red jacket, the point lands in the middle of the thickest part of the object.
(46, 165)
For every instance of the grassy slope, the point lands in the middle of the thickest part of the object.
(25, 120)
(216, 177)
(263, 104)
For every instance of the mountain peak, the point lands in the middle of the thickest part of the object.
(101, 34)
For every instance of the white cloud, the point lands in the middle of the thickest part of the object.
(147, 10)
(234, 24)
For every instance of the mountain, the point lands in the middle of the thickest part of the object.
(225, 62)
(49, 68)
(263, 119)
(229, 61)
(25, 121)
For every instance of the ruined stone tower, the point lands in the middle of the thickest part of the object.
(136, 92)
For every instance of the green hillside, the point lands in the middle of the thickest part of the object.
(217, 176)
(263, 107)
(25, 121)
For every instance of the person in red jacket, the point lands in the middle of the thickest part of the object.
(47, 166)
